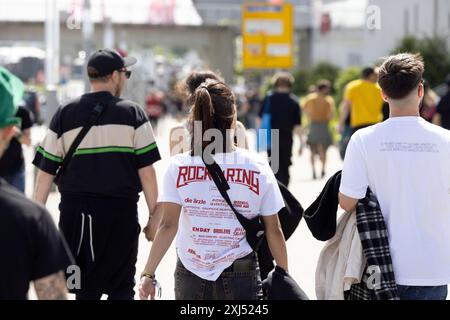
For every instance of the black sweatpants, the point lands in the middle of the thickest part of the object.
(102, 234)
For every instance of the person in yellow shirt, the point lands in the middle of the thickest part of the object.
(319, 107)
(363, 100)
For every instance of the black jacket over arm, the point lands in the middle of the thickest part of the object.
(322, 213)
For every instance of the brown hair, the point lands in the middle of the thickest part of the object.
(400, 74)
(214, 106)
(367, 72)
(186, 88)
(93, 75)
(323, 84)
(283, 79)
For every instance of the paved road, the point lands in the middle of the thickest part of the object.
(303, 249)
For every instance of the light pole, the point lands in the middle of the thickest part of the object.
(88, 32)
(108, 31)
(51, 57)
(52, 43)
(436, 18)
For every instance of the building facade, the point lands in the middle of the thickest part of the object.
(362, 31)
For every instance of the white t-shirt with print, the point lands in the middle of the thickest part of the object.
(210, 238)
(406, 163)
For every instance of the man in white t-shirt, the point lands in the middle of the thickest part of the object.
(406, 163)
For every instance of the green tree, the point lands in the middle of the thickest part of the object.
(302, 82)
(407, 44)
(344, 77)
(324, 70)
(435, 54)
(305, 79)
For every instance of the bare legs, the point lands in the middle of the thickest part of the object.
(323, 158)
(322, 152)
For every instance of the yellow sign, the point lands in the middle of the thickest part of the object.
(268, 34)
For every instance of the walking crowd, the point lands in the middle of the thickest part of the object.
(228, 209)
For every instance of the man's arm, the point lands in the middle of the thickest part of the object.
(332, 108)
(437, 119)
(52, 287)
(354, 179)
(258, 122)
(27, 122)
(344, 111)
(298, 130)
(154, 220)
(25, 137)
(43, 186)
(347, 203)
(147, 175)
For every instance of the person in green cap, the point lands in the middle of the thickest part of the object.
(8, 123)
(31, 248)
(11, 90)
(12, 164)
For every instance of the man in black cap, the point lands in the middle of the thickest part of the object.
(442, 115)
(100, 185)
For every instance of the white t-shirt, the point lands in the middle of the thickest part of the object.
(406, 163)
(210, 238)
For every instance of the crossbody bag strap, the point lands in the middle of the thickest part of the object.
(222, 185)
(95, 115)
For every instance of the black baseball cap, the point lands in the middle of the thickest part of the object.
(105, 61)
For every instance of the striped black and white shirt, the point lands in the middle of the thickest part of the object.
(107, 161)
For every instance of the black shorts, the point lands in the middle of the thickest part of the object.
(102, 234)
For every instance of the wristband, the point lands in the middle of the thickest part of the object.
(148, 275)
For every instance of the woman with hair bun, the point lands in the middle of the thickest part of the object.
(215, 261)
